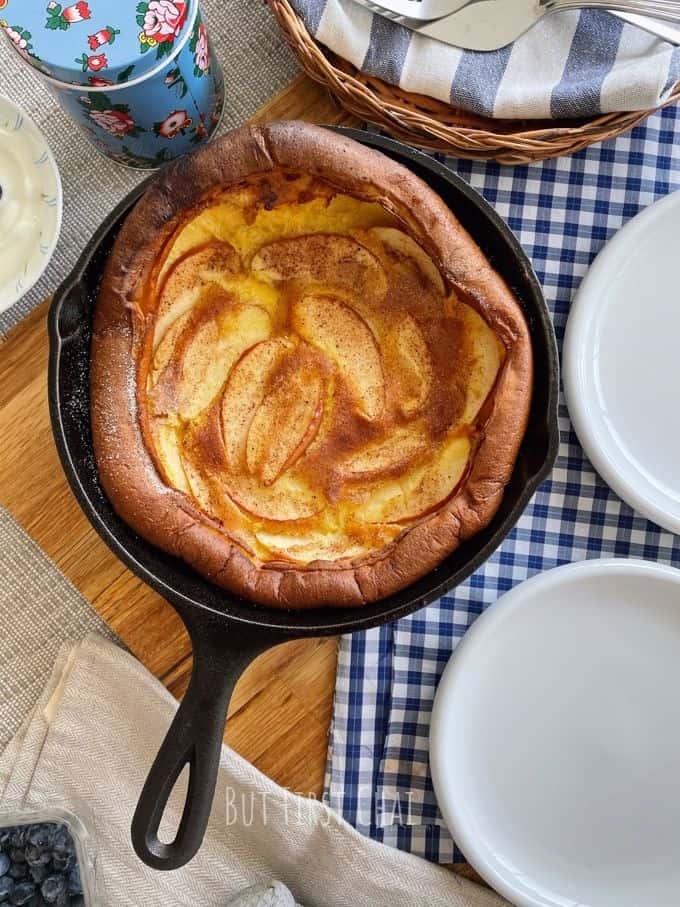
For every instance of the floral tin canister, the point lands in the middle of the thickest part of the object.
(140, 79)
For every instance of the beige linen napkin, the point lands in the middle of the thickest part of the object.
(91, 739)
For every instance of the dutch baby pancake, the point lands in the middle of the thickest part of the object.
(307, 380)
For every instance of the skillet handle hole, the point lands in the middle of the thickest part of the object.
(168, 829)
(180, 787)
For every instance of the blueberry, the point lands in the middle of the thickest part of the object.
(17, 836)
(53, 888)
(39, 835)
(38, 874)
(5, 863)
(75, 885)
(37, 856)
(17, 855)
(63, 842)
(63, 862)
(6, 888)
(22, 894)
(18, 871)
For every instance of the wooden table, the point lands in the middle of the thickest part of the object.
(281, 708)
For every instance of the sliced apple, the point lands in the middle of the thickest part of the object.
(243, 395)
(409, 366)
(486, 354)
(331, 260)
(202, 454)
(198, 486)
(286, 423)
(336, 329)
(391, 455)
(203, 346)
(166, 435)
(181, 288)
(200, 321)
(404, 246)
(163, 353)
(309, 546)
(287, 499)
(421, 491)
(208, 492)
(210, 356)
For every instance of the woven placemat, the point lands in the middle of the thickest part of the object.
(241, 33)
(39, 611)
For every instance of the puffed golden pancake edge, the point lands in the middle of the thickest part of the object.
(170, 519)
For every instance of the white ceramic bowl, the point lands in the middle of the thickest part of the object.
(30, 203)
(555, 740)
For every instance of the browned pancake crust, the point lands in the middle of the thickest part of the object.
(170, 519)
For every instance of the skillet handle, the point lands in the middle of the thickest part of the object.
(195, 740)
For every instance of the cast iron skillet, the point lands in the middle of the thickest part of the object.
(226, 631)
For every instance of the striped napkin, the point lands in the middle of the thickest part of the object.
(572, 64)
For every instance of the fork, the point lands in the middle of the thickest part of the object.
(415, 10)
(492, 24)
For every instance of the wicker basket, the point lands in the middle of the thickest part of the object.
(432, 124)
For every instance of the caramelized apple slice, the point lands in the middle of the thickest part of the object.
(408, 365)
(337, 330)
(487, 358)
(209, 356)
(309, 546)
(287, 499)
(199, 488)
(286, 423)
(198, 351)
(166, 436)
(243, 394)
(180, 290)
(389, 456)
(163, 354)
(327, 259)
(402, 245)
(202, 453)
(423, 490)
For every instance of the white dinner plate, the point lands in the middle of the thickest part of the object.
(621, 363)
(555, 742)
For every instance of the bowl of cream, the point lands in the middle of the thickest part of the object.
(30, 203)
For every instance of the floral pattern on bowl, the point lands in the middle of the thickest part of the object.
(30, 203)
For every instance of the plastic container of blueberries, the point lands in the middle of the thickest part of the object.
(79, 827)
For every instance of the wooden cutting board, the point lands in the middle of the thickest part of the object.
(281, 708)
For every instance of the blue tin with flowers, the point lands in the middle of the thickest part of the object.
(139, 78)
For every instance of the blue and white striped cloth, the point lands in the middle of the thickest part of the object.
(572, 64)
(563, 211)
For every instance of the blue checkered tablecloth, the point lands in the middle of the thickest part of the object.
(563, 211)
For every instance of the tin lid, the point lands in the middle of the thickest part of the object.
(94, 42)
